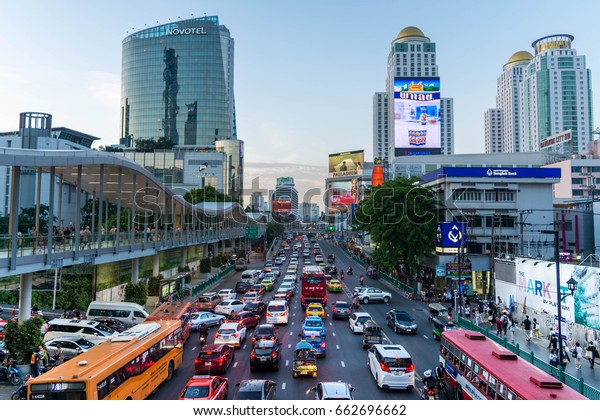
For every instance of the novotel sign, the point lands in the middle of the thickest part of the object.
(187, 31)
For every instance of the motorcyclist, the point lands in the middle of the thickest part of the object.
(428, 381)
(203, 330)
(342, 274)
(362, 280)
(349, 270)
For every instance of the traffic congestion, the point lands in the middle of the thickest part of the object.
(261, 337)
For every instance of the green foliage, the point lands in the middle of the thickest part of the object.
(208, 194)
(136, 293)
(185, 269)
(26, 220)
(401, 218)
(205, 265)
(216, 261)
(148, 145)
(154, 285)
(22, 340)
(274, 230)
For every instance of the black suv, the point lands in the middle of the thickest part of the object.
(265, 332)
(265, 353)
(257, 308)
(242, 287)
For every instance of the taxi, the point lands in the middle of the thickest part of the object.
(334, 286)
(315, 309)
(267, 283)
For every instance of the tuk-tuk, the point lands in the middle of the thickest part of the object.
(372, 334)
(305, 360)
(437, 309)
(440, 324)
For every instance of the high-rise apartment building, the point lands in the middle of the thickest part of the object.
(284, 199)
(493, 130)
(556, 95)
(419, 120)
(309, 212)
(177, 84)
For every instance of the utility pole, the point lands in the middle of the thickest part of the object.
(493, 255)
(521, 223)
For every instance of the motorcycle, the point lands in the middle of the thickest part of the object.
(349, 271)
(203, 336)
(20, 393)
(428, 393)
(11, 374)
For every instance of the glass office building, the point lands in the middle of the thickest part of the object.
(177, 84)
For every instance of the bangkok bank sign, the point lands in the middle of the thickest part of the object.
(186, 31)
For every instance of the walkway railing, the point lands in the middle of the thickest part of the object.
(212, 280)
(578, 384)
(400, 285)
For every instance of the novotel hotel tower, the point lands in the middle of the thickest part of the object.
(177, 84)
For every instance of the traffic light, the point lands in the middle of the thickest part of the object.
(331, 227)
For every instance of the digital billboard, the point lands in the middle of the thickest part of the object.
(281, 206)
(417, 116)
(346, 163)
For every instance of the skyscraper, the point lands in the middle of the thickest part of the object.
(177, 84)
(556, 95)
(419, 120)
(503, 123)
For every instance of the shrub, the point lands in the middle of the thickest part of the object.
(22, 340)
(216, 261)
(136, 293)
(205, 265)
(154, 284)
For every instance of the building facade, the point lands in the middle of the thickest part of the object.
(412, 60)
(556, 95)
(493, 130)
(177, 84)
(284, 199)
(309, 212)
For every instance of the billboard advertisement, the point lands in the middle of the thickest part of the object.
(281, 206)
(344, 193)
(417, 116)
(346, 163)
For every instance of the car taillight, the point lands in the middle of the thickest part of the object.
(322, 345)
(216, 335)
(235, 334)
(252, 355)
(273, 354)
(269, 314)
(284, 314)
(410, 368)
(384, 367)
(335, 310)
(221, 359)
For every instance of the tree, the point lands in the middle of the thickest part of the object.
(22, 340)
(208, 194)
(136, 293)
(274, 230)
(401, 218)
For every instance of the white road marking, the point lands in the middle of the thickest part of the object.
(330, 324)
(244, 347)
(235, 364)
(283, 386)
(291, 332)
(287, 362)
(343, 364)
(292, 322)
(337, 347)
(289, 346)
(193, 348)
(333, 334)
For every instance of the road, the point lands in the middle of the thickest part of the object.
(346, 359)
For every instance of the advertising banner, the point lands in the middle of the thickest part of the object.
(417, 116)
(377, 176)
(281, 206)
(346, 163)
(341, 194)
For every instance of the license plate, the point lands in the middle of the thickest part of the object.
(263, 359)
(396, 372)
(207, 363)
(408, 330)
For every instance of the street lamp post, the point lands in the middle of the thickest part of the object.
(572, 285)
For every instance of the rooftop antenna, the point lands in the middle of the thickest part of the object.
(192, 14)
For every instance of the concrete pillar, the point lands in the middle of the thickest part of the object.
(135, 270)
(156, 264)
(25, 297)
(15, 197)
(184, 254)
(50, 243)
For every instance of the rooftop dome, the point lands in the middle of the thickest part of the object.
(410, 32)
(519, 56)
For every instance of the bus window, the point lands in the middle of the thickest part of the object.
(492, 388)
(501, 391)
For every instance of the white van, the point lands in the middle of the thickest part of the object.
(251, 276)
(278, 312)
(93, 331)
(128, 312)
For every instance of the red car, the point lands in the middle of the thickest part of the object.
(213, 358)
(248, 318)
(204, 387)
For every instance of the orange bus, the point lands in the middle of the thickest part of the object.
(129, 366)
(477, 368)
(180, 310)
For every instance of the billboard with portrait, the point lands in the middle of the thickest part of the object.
(346, 163)
(417, 116)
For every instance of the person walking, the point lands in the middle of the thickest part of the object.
(564, 358)
(498, 327)
(553, 344)
(577, 355)
(477, 318)
(535, 328)
(591, 353)
(553, 358)
(58, 355)
(504, 319)
(527, 328)
(33, 364)
(511, 328)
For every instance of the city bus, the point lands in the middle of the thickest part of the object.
(180, 310)
(129, 366)
(314, 286)
(477, 368)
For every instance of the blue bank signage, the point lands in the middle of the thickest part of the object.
(451, 234)
(503, 172)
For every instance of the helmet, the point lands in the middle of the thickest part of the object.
(427, 373)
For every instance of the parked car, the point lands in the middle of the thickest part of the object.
(255, 389)
(115, 324)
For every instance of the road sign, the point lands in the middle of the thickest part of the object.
(252, 232)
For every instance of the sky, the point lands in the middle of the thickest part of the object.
(305, 71)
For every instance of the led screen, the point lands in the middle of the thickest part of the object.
(417, 116)
(346, 163)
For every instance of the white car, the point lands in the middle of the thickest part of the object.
(289, 277)
(391, 366)
(232, 333)
(227, 294)
(276, 271)
(373, 294)
(319, 258)
(229, 306)
(357, 321)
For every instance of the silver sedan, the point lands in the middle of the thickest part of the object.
(207, 318)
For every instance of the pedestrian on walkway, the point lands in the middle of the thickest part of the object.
(468, 311)
(512, 327)
(577, 355)
(553, 358)
(535, 328)
(477, 318)
(33, 364)
(527, 328)
(553, 344)
(498, 327)
(504, 319)
(591, 353)
(564, 358)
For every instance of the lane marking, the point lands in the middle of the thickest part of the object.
(330, 323)
(337, 347)
(283, 386)
(333, 333)
(235, 364)
(292, 322)
(244, 347)
(287, 362)
(193, 348)
(343, 364)
(289, 346)
(291, 332)
(426, 338)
